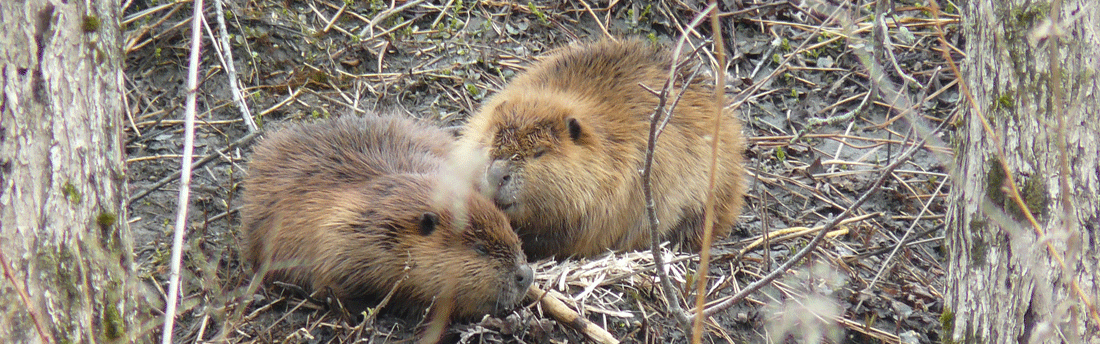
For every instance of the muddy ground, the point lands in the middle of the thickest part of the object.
(827, 100)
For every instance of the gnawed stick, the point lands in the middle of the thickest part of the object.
(552, 305)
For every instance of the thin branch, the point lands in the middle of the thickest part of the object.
(43, 333)
(708, 212)
(185, 174)
(1057, 96)
(655, 239)
(557, 309)
(230, 70)
(383, 16)
(598, 22)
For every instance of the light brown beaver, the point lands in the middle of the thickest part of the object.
(353, 206)
(567, 139)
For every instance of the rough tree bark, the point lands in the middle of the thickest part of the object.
(64, 241)
(1004, 282)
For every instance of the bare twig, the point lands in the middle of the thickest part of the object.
(598, 22)
(708, 212)
(1057, 94)
(886, 45)
(655, 239)
(230, 70)
(812, 123)
(185, 174)
(439, 314)
(793, 232)
(383, 15)
(43, 333)
(385, 300)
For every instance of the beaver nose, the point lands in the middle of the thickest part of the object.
(498, 173)
(524, 276)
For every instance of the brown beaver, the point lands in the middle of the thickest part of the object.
(354, 206)
(567, 139)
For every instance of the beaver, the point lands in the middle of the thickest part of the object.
(358, 205)
(567, 141)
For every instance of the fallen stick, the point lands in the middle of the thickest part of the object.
(552, 305)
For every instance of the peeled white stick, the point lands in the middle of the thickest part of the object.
(557, 309)
(185, 175)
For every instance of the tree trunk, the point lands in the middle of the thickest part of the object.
(1005, 284)
(67, 260)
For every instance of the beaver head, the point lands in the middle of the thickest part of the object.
(551, 156)
(437, 245)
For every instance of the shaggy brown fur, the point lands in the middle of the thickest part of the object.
(567, 140)
(355, 206)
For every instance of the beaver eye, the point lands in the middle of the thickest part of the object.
(481, 249)
(540, 151)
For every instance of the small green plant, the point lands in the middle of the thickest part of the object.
(406, 31)
(377, 5)
(538, 13)
(635, 19)
(950, 8)
(932, 182)
(473, 91)
(646, 11)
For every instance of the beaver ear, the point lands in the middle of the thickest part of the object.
(575, 131)
(428, 222)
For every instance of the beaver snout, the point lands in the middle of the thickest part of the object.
(499, 173)
(524, 277)
(499, 179)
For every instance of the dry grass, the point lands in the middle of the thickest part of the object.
(826, 100)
